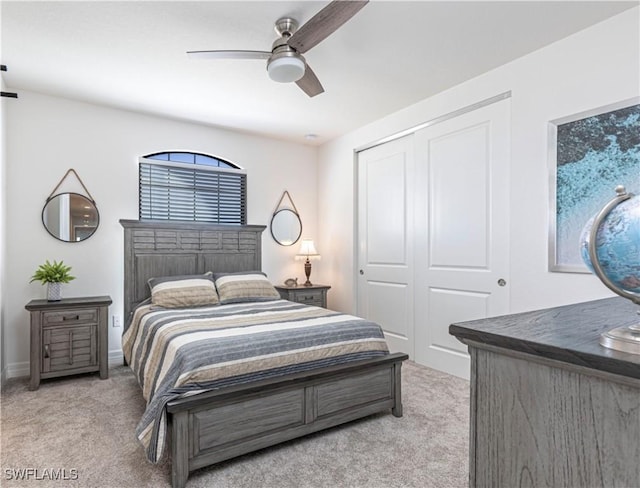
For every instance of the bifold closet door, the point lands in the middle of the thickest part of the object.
(462, 230)
(386, 240)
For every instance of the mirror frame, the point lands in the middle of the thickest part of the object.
(271, 226)
(92, 202)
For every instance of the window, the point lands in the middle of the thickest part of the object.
(191, 187)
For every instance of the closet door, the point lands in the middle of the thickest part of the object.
(462, 221)
(385, 240)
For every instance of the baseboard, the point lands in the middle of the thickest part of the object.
(116, 358)
(18, 370)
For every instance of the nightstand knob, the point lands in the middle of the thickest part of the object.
(361, 272)
(46, 350)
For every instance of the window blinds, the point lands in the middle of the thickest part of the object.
(173, 192)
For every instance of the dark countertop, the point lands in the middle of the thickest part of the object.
(570, 333)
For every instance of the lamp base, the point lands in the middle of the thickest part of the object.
(307, 272)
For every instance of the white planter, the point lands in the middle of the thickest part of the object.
(54, 292)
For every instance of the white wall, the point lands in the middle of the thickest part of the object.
(49, 135)
(592, 68)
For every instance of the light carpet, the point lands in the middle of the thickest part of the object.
(81, 426)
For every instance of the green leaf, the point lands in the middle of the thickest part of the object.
(56, 272)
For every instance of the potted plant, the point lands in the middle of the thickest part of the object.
(53, 274)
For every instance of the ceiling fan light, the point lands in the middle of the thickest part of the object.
(286, 69)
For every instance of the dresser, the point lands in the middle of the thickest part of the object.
(68, 337)
(309, 295)
(550, 406)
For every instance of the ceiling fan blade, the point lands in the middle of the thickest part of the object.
(309, 83)
(324, 23)
(229, 54)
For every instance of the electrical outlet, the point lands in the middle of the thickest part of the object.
(116, 321)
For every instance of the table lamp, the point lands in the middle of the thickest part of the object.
(307, 252)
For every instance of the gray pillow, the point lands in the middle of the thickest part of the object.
(184, 291)
(244, 286)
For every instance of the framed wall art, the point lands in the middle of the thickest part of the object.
(590, 153)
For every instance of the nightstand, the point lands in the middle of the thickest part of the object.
(68, 337)
(309, 295)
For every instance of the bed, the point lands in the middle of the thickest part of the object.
(213, 425)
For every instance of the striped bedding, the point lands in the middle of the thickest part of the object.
(180, 352)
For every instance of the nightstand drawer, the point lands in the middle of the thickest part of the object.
(310, 298)
(70, 317)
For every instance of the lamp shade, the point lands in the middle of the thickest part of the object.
(307, 250)
(286, 69)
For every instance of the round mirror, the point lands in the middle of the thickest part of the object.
(70, 217)
(286, 227)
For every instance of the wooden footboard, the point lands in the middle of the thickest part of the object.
(222, 424)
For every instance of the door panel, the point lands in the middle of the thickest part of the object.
(462, 225)
(385, 240)
(380, 296)
(386, 233)
(458, 227)
(446, 308)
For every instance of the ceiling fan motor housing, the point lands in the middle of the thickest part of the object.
(285, 65)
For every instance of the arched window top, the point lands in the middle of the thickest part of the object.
(191, 186)
(192, 158)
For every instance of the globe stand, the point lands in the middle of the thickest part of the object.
(626, 339)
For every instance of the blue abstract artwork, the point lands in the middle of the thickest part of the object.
(593, 154)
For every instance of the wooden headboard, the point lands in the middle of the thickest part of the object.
(165, 248)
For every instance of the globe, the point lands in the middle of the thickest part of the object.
(617, 245)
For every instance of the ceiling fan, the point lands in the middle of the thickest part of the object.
(285, 62)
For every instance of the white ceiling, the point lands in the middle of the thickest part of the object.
(391, 54)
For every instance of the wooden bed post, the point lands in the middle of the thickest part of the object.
(179, 449)
(397, 389)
